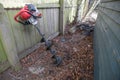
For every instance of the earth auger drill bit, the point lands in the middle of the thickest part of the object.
(29, 14)
(48, 45)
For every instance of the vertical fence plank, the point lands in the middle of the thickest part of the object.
(45, 22)
(32, 35)
(49, 19)
(8, 39)
(16, 30)
(40, 25)
(54, 14)
(26, 34)
(56, 19)
(3, 56)
(62, 21)
(52, 21)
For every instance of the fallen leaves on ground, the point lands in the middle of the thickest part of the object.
(76, 51)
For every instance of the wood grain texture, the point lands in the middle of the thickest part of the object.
(8, 39)
(62, 16)
(3, 56)
(27, 36)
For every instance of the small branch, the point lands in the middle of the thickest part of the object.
(18, 78)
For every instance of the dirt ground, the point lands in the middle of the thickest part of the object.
(76, 51)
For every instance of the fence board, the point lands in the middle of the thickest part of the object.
(112, 5)
(8, 39)
(115, 29)
(52, 21)
(16, 31)
(3, 56)
(45, 6)
(56, 19)
(45, 20)
(49, 21)
(114, 15)
(41, 24)
(27, 36)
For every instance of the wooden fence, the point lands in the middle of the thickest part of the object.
(27, 36)
(18, 40)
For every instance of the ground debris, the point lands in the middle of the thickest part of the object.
(76, 51)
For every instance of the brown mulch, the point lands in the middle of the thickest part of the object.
(76, 51)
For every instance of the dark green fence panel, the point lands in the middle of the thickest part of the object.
(107, 41)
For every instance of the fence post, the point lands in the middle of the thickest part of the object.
(8, 40)
(62, 20)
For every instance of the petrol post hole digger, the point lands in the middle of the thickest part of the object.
(29, 15)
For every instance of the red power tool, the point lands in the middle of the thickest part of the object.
(29, 14)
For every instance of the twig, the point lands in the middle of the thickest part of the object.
(18, 78)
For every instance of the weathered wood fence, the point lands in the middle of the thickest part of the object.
(17, 41)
